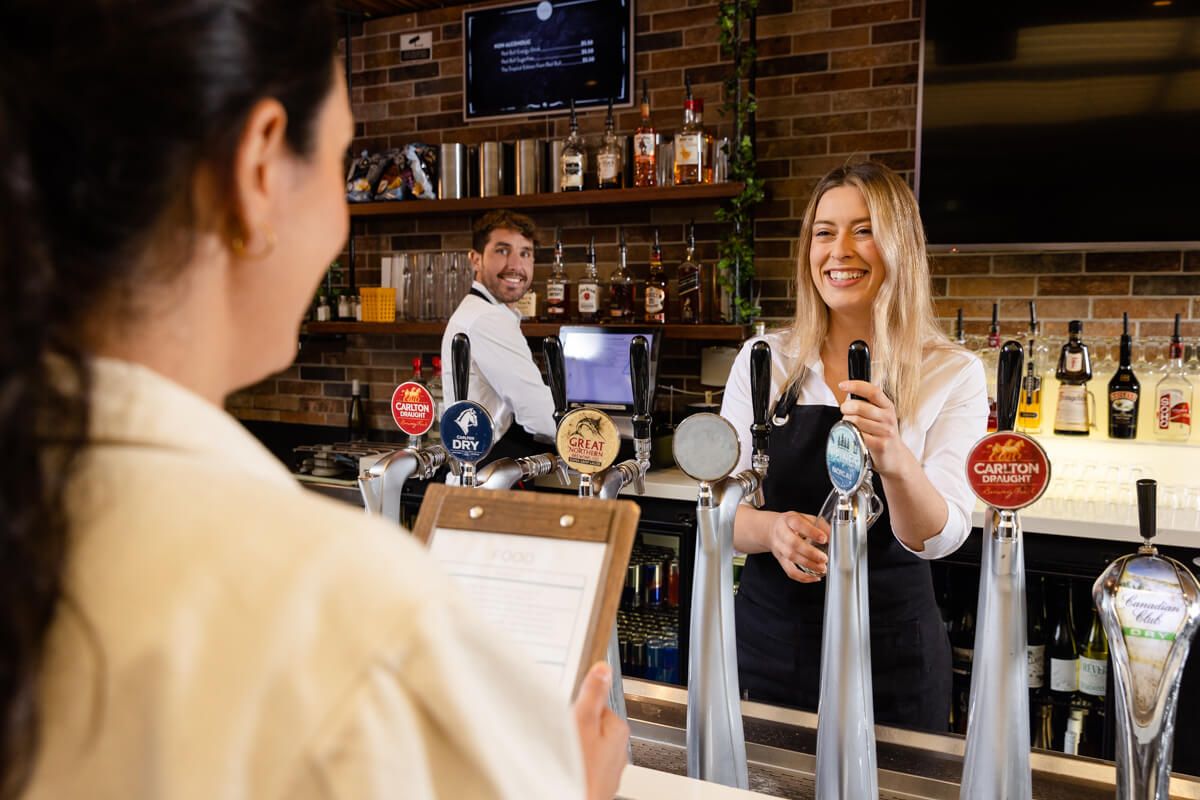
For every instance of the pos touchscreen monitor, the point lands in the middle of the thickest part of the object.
(597, 366)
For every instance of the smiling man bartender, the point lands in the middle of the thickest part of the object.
(504, 379)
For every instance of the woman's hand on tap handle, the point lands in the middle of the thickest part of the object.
(875, 418)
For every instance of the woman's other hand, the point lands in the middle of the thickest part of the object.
(875, 418)
(791, 537)
(603, 736)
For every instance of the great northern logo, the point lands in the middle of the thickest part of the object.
(1008, 470)
(588, 440)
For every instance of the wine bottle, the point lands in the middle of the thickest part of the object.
(356, 424)
(1093, 680)
(1073, 373)
(1064, 668)
(1124, 392)
(962, 650)
(1035, 650)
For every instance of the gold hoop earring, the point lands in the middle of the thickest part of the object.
(238, 245)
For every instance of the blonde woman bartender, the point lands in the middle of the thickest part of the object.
(862, 273)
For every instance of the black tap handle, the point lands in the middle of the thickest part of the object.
(1008, 385)
(460, 354)
(1147, 491)
(639, 376)
(760, 387)
(556, 368)
(858, 363)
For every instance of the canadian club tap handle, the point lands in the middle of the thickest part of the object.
(557, 370)
(639, 376)
(858, 363)
(460, 354)
(760, 387)
(1147, 491)
(1008, 385)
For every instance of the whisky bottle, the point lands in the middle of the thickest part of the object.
(1124, 392)
(689, 143)
(654, 299)
(528, 305)
(708, 151)
(1073, 373)
(573, 161)
(557, 285)
(645, 146)
(588, 302)
(609, 163)
(620, 289)
(691, 289)
(1173, 397)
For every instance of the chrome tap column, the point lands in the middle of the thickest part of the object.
(707, 449)
(846, 711)
(1007, 471)
(1149, 605)
(633, 471)
(467, 428)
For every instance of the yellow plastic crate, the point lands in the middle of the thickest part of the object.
(378, 304)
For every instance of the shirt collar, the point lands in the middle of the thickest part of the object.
(492, 299)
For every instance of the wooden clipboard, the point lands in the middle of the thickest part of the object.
(612, 523)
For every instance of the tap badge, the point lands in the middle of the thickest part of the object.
(467, 431)
(846, 458)
(412, 408)
(1008, 470)
(588, 440)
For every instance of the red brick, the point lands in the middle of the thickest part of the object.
(692, 17)
(793, 106)
(826, 40)
(830, 123)
(692, 56)
(390, 91)
(991, 287)
(832, 81)
(1083, 286)
(877, 56)
(864, 142)
(893, 118)
(893, 76)
(896, 32)
(959, 265)
(1140, 308)
(873, 98)
(867, 14)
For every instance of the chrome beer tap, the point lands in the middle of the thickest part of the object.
(633, 471)
(1149, 605)
(846, 765)
(467, 429)
(707, 449)
(1007, 471)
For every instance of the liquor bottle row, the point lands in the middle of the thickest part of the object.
(620, 298)
(1071, 407)
(693, 152)
(1070, 683)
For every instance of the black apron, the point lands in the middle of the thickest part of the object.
(779, 621)
(516, 441)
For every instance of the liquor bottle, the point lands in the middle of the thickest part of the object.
(991, 361)
(959, 336)
(962, 650)
(1064, 669)
(1037, 351)
(610, 166)
(528, 305)
(1035, 650)
(691, 289)
(645, 146)
(708, 153)
(558, 285)
(1124, 392)
(588, 300)
(1173, 397)
(1029, 408)
(689, 143)
(572, 164)
(654, 299)
(356, 423)
(1093, 682)
(1073, 373)
(620, 289)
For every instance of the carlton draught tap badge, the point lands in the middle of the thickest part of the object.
(588, 440)
(412, 408)
(1008, 470)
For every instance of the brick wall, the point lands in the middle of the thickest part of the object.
(836, 80)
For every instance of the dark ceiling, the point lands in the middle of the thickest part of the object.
(384, 8)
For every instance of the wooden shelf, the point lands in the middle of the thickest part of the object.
(715, 333)
(591, 197)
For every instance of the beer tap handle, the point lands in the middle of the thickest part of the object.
(760, 387)
(639, 375)
(1008, 385)
(557, 370)
(1147, 491)
(858, 363)
(460, 354)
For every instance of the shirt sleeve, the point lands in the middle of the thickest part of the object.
(735, 404)
(501, 354)
(956, 426)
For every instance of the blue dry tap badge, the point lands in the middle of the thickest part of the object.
(846, 458)
(467, 431)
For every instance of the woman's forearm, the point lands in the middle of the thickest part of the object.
(751, 529)
(917, 509)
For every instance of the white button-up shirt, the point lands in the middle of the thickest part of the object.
(950, 418)
(503, 379)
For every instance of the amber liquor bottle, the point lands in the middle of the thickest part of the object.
(558, 285)
(689, 143)
(691, 291)
(588, 289)
(645, 147)
(654, 299)
(610, 165)
(1074, 371)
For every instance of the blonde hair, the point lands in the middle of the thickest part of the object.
(903, 325)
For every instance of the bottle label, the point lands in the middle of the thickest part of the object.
(689, 281)
(606, 165)
(655, 298)
(527, 305)
(588, 295)
(1093, 674)
(1074, 362)
(1071, 414)
(1174, 412)
(687, 149)
(556, 293)
(643, 148)
(572, 172)
(1064, 674)
(1073, 733)
(1035, 659)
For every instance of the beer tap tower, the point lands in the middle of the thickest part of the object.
(707, 449)
(467, 428)
(846, 764)
(1007, 471)
(1149, 605)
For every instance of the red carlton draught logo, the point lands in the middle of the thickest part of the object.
(1008, 470)
(412, 408)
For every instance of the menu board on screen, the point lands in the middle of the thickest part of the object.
(534, 57)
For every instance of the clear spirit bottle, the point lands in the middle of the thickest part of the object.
(654, 299)
(558, 284)
(645, 147)
(1173, 397)
(588, 294)
(610, 166)
(620, 289)
(573, 162)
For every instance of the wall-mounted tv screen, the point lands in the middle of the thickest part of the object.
(1060, 123)
(534, 57)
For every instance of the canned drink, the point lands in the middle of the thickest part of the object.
(670, 661)
(637, 657)
(673, 583)
(631, 595)
(655, 588)
(655, 660)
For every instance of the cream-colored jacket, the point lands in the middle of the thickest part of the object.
(231, 636)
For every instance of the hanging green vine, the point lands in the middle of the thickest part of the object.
(735, 264)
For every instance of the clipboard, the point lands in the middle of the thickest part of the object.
(546, 569)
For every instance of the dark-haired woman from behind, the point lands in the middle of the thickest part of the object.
(178, 618)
